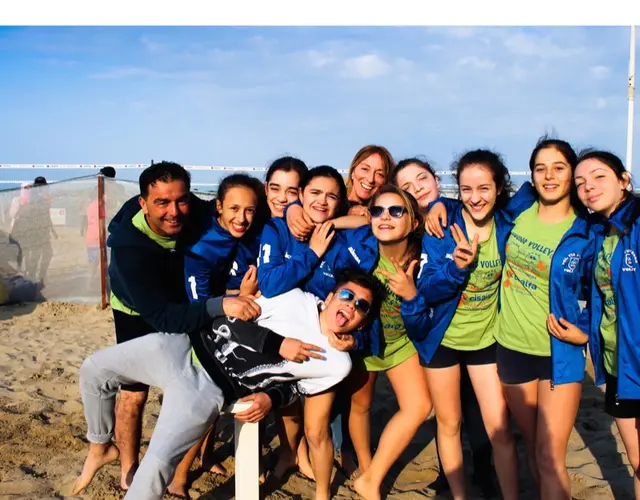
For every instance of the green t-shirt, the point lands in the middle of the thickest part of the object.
(608, 327)
(472, 326)
(525, 283)
(397, 347)
(140, 223)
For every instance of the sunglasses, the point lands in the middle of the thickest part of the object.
(362, 305)
(395, 211)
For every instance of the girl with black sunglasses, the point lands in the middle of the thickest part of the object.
(390, 249)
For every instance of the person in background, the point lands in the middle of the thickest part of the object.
(93, 215)
(33, 230)
(603, 186)
(17, 289)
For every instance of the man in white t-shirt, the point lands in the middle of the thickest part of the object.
(233, 359)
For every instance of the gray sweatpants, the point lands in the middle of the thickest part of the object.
(191, 402)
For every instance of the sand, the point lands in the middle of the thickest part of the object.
(42, 429)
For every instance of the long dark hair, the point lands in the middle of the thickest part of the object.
(494, 163)
(263, 213)
(570, 156)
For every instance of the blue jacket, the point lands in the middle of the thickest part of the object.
(285, 263)
(363, 251)
(570, 272)
(246, 255)
(625, 277)
(441, 283)
(208, 260)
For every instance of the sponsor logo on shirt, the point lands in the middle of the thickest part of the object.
(286, 255)
(630, 261)
(570, 262)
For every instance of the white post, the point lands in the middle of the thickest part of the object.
(631, 98)
(247, 453)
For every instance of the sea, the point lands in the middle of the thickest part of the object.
(203, 178)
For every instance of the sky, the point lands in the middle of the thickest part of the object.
(245, 96)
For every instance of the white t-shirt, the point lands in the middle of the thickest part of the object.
(295, 314)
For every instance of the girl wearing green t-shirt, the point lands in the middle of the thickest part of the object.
(546, 266)
(460, 282)
(602, 184)
(392, 246)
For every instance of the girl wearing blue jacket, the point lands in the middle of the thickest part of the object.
(418, 178)
(390, 249)
(541, 340)
(285, 263)
(281, 187)
(602, 184)
(460, 282)
(208, 258)
(211, 255)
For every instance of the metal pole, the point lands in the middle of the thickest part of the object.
(631, 99)
(103, 242)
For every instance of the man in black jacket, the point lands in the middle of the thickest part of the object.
(146, 274)
(229, 360)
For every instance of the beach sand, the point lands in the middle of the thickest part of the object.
(42, 428)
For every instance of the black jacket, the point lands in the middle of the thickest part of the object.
(243, 358)
(150, 279)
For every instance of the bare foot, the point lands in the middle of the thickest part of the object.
(304, 464)
(127, 479)
(99, 455)
(365, 489)
(178, 490)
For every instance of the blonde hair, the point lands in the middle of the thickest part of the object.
(388, 162)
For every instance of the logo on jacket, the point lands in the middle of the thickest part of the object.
(424, 258)
(570, 262)
(630, 261)
(234, 269)
(354, 254)
(286, 255)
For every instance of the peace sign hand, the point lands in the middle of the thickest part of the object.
(402, 283)
(464, 253)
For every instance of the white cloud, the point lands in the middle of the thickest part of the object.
(476, 62)
(319, 59)
(366, 66)
(599, 72)
(522, 44)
